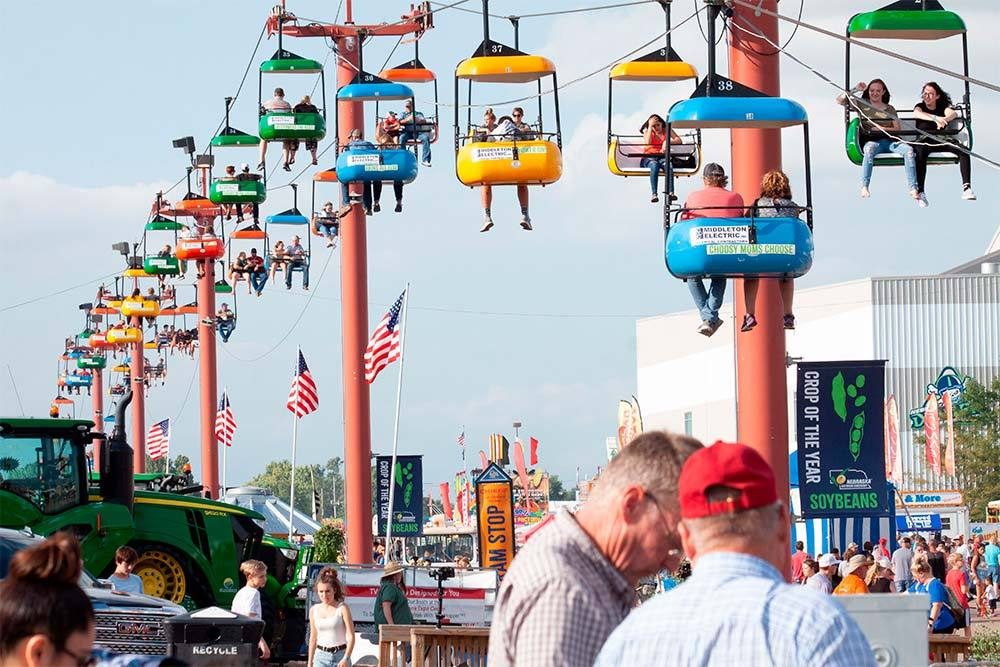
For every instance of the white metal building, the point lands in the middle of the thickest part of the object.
(934, 331)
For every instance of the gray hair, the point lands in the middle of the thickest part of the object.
(653, 460)
(732, 528)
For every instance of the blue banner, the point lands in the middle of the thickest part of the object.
(908, 523)
(407, 497)
(841, 444)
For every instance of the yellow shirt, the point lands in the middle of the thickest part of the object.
(852, 584)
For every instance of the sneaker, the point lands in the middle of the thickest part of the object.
(377, 207)
(399, 207)
(286, 167)
(368, 211)
(706, 329)
(315, 162)
(260, 166)
(207, 321)
(330, 244)
(655, 198)
(487, 224)
(865, 192)
(715, 325)
(968, 194)
(749, 322)
(526, 223)
(426, 163)
(922, 201)
(789, 321)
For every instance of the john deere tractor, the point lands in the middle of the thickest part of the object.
(189, 547)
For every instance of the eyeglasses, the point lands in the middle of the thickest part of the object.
(81, 661)
(670, 534)
(517, 115)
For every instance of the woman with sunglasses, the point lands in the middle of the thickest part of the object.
(46, 619)
(654, 134)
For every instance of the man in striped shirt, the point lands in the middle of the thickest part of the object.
(736, 608)
(574, 580)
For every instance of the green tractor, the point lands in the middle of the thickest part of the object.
(190, 547)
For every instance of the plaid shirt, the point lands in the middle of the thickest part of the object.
(737, 610)
(559, 601)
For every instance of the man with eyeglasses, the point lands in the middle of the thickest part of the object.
(736, 608)
(574, 581)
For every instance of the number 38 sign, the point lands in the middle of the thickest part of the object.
(495, 518)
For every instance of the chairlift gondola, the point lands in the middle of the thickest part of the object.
(738, 247)
(288, 125)
(292, 217)
(414, 72)
(917, 20)
(528, 158)
(626, 152)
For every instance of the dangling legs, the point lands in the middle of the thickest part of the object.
(397, 189)
(909, 156)
(376, 196)
(522, 198)
(486, 192)
(750, 287)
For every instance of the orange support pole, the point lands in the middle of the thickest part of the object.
(208, 380)
(354, 299)
(137, 374)
(97, 399)
(762, 399)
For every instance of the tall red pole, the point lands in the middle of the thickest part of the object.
(137, 373)
(208, 380)
(354, 297)
(762, 400)
(97, 399)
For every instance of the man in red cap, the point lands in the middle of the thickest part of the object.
(736, 608)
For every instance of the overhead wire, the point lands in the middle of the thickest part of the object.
(556, 12)
(57, 293)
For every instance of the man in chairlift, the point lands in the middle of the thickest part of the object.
(297, 260)
(712, 201)
(327, 222)
(415, 128)
(277, 104)
(356, 140)
(246, 175)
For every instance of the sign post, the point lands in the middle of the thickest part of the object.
(841, 441)
(495, 518)
(407, 497)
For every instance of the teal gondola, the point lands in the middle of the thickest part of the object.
(698, 245)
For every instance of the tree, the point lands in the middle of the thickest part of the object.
(328, 542)
(977, 446)
(277, 477)
(174, 467)
(557, 491)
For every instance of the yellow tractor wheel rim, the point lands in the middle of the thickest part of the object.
(162, 575)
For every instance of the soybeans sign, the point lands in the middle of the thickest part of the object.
(841, 444)
(495, 518)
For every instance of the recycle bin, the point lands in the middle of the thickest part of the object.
(214, 637)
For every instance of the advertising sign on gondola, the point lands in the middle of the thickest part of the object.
(495, 518)
(841, 441)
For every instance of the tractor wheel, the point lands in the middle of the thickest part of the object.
(162, 573)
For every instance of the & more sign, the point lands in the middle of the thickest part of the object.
(495, 518)
(841, 443)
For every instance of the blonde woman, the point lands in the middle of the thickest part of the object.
(332, 642)
(279, 258)
(775, 201)
(939, 618)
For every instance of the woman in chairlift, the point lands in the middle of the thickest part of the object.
(878, 122)
(654, 136)
(934, 112)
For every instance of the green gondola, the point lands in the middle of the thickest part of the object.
(286, 62)
(162, 266)
(912, 23)
(92, 362)
(237, 192)
(283, 125)
(162, 224)
(888, 159)
(222, 287)
(230, 137)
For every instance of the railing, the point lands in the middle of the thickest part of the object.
(429, 646)
(947, 648)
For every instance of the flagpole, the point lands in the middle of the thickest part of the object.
(166, 465)
(295, 438)
(465, 483)
(395, 429)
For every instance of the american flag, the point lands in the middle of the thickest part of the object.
(303, 397)
(158, 439)
(384, 347)
(461, 439)
(225, 422)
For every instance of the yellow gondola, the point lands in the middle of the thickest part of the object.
(527, 157)
(627, 152)
(119, 336)
(137, 306)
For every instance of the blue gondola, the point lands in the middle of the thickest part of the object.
(292, 216)
(373, 164)
(741, 247)
(75, 380)
(377, 90)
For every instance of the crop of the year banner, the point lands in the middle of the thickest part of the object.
(841, 443)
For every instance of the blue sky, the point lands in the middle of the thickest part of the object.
(537, 326)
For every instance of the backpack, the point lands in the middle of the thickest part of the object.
(956, 608)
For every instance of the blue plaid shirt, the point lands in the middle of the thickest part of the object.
(736, 609)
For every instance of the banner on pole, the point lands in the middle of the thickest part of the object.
(495, 514)
(841, 440)
(407, 498)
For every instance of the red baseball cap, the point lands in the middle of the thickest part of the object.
(728, 464)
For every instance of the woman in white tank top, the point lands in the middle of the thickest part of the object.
(331, 628)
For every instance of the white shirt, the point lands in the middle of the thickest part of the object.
(130, 584)
(247, 602)
(820, 583)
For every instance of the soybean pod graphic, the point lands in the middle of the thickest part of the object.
(846, 396)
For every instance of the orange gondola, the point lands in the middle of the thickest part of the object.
(204, 247)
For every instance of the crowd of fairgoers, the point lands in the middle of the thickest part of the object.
(665, 503)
